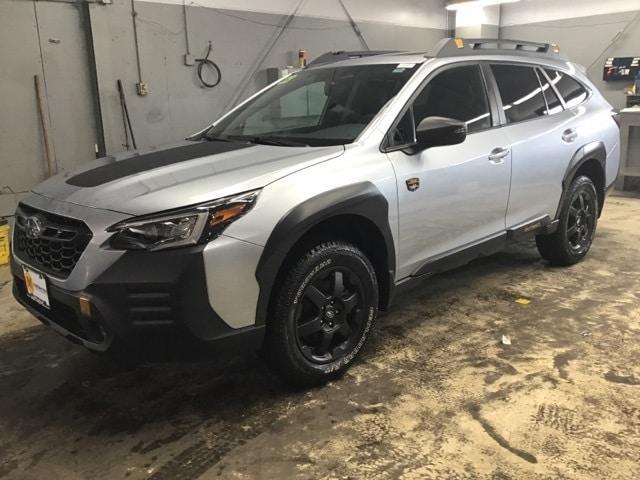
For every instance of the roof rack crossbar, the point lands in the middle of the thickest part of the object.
(456, 47)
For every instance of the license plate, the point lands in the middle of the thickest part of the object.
(36, 284)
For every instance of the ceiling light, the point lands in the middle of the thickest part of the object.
(459, 4)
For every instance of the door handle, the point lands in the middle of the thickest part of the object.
(498, 155)
(569, 135)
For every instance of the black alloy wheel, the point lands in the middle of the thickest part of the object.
(581, 221)
(577, 223)
(324, 308)
(330, 317)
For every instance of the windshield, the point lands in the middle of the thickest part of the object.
(324, 106)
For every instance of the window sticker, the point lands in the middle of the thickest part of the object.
(401, 67)
(288, 79)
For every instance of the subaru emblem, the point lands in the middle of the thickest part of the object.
(33, 227)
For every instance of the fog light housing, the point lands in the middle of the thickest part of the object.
(85, 306)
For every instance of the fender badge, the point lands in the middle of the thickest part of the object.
(413, 184)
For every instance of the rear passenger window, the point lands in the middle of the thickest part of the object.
(553, 102)
(571, 90)
(521, 93)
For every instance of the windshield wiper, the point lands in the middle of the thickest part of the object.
(271, 141)
(216, 139)
(277, 142)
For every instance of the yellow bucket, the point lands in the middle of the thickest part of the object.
(4, 242)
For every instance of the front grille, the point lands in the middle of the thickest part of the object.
(57, 247)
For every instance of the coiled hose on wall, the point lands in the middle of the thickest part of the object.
(202, 62)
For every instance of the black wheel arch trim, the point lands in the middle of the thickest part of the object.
(360, 199)
(590, 151)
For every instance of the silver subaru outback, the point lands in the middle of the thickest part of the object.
(291, 221)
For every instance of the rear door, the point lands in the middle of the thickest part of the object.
(543, 137)
(462, 190)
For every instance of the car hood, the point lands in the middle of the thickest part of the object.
(182, 174)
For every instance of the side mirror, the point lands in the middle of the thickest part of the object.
(439, 132)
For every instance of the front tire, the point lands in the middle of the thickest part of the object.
(577, 225)
(325, 307)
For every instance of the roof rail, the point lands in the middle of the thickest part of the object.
(331, 57)
(458, 47)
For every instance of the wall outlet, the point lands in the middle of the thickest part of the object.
(142, 88)
(189, 59)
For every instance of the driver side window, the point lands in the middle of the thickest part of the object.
(458, 93)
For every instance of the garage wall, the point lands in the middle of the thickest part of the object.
(176, 105)
(21, 151)
(585, 34)
(417, 13)
(479, 21)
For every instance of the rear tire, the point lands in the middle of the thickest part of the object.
(577, 225)
(325, 307)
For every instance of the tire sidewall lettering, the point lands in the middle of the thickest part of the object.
(309, 277)
(370, 305)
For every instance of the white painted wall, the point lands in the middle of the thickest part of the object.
(472, 16)
(411, 13)
(478, 22)
(533, 11)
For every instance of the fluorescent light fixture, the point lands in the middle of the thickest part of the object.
(460, 4)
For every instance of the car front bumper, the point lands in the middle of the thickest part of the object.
(149, 303)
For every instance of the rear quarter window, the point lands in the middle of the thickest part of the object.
(573, 92)
(553, 102)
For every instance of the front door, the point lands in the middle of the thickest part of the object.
(455, 196)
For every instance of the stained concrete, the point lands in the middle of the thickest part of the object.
(435, 395)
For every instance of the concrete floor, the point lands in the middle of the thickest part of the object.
(435, 395)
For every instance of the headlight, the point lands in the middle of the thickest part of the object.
(198, 224)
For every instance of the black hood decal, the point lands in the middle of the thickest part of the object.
(148, 161)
